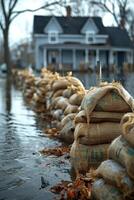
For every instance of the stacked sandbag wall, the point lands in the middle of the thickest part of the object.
(115, 176)
(67, 94)
(60, 96)
(98, 124)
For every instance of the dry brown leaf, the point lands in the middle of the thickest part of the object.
(58, 151)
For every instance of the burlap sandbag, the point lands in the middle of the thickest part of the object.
(59, 84)
(62, 103)
(67, 132)
(104, 191)
(112, 102)
(80, 117)
(113, 173)
(96, 117)
(119, 101)
(76, 99)
(57, 93)
(71, 109)
(57, 114)
(97, 133)
(68, 92)
(127, 124)
(53, 102)
(67, 118)
(75, 82)
(121, 152)
(83, 157)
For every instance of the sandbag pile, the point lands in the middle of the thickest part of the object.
(116, 175)
(40, 100)
(98, 123)
(25, 80)
(60, 96)
(67, 94)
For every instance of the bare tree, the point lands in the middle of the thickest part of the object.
(8, 14)
(119, 9)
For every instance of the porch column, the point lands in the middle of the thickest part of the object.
(86, 56)
(60, 59)
(36, 56)
(129, 57)
(74, 59)
(97, 55)
(111, 58)
(45, 57)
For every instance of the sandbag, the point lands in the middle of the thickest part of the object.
(62, 103)
(57, 93)
(75, 82)
(67, 132)
(57, 114)
(112, 102)
(59, 84)
(96, 133)
(71, 109)
(76, 99)
(127, 124)
(68, 92)
(67, 118)
(108, 97)
(83, 157)
(96, 117)
(103, 191)
(53, 102)
(113, 173)
(80, 117)
(121, 152)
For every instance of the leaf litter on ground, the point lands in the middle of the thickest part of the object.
(57, 151)
(80, 189)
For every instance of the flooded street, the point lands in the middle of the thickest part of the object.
(21, 138)
(21, 165)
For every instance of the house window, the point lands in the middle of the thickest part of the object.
(53, 37)
(89, 37)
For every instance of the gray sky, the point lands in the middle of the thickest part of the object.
(22, 25)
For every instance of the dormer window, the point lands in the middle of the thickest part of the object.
(53, 37)
(89, 37)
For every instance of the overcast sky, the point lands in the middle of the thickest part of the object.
(22, 25)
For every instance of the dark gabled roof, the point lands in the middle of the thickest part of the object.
(70, 25)
(73, 25)
(39, 23)
(118, 37)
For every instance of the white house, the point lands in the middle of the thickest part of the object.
(70, 42)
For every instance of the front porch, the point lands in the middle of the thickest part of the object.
(80, 58)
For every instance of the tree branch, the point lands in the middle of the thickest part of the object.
(1, 26)
(46, 6)
(3, 8)
(34, 10)
(103, 6)
(11, 7)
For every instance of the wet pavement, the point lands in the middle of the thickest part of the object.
(21, 165)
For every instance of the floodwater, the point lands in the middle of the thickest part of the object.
(21, 138)
(21, 165)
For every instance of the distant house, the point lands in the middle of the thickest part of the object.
(72, 42)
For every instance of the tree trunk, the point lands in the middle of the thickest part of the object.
(7, 51)
(8, 65)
